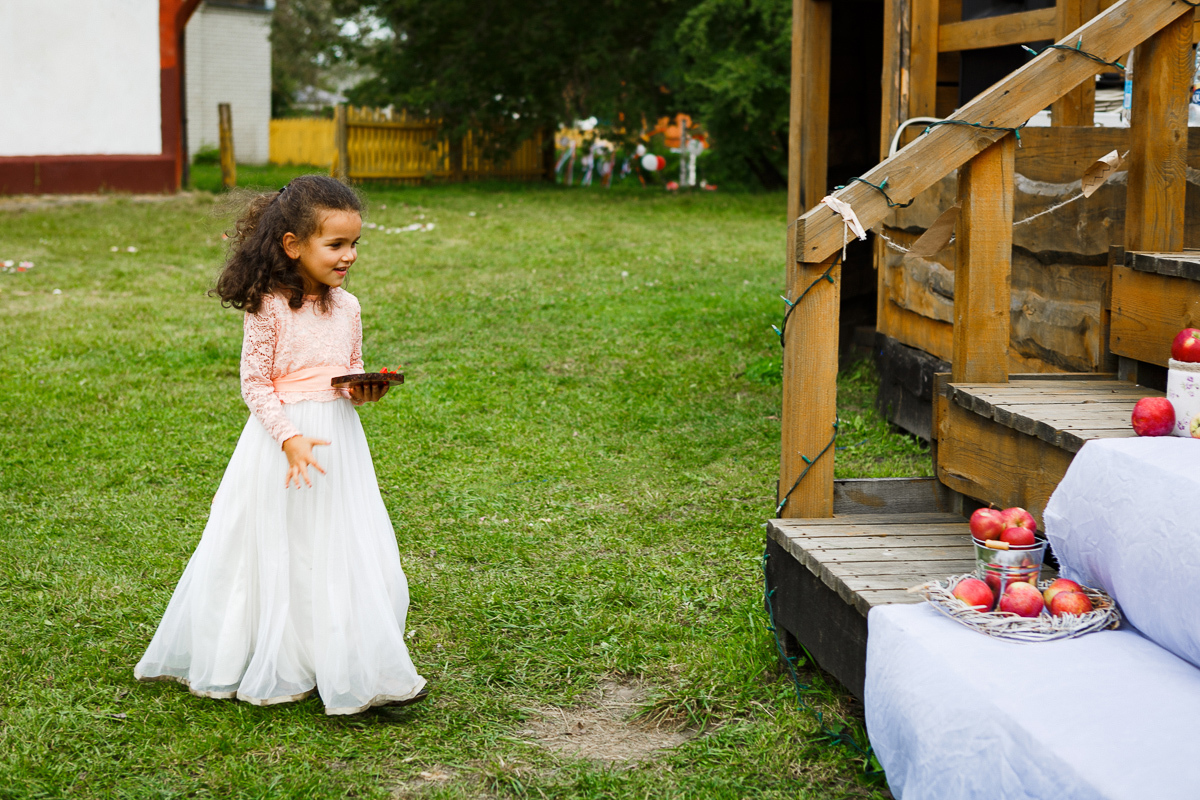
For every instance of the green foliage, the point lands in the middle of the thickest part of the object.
(735, 79)
(308, 50)
(528, 64)
(207, 157)
(513, 67)
(577, 467)
(767, 370)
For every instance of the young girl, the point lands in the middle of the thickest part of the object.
(296, 585)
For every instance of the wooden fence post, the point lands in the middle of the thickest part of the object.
(228, 163)
(341, 142)
(457, 153)
(546, 140)
(983, 266)
(1158, 134)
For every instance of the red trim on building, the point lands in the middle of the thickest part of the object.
(78, 174)
(87, 174)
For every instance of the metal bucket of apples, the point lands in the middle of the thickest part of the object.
(1007, 551)
(1005, 599)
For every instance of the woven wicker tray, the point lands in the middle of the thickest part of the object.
(1003, 625)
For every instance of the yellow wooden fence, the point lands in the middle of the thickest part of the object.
(381, 144)
(305, 140)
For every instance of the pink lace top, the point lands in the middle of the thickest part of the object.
(278, 341)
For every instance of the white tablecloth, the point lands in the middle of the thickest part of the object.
(955, 714)
(1126, 519)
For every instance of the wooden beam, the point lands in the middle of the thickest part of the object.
(1078, 106)
(923, 98)
(810, 361)
(808, 122)
(1027, 26)
(1007, 104)
(1162, 77)
(983, 266)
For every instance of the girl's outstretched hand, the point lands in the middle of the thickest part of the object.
(300, 457)
(367, 392)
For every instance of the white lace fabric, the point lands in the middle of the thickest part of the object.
(278, 341)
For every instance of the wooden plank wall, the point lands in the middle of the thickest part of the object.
(1060, 270)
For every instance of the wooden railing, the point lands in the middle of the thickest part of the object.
(981, 146)
(379, 144)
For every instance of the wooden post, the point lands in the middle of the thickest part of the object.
(810, 362)
(983, 266)
(1154, 205)
(810, 338)
(894, 105)
(1078, 106)
(808, 128)
(228, 163)
(923, 95)
(341, 141)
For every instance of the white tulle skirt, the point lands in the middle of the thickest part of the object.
(292, 590)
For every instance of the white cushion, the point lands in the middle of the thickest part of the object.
(1126, 519)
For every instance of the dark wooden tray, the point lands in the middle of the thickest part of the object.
(343, 381)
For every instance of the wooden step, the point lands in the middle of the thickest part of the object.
(1010, 444)
(1176, 265)
(825, 575)
(1064, 413)
(1154, 296)
(870, 559)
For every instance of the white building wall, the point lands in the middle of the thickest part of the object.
(79, 77)
(228, 60)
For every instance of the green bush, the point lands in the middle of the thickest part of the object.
(207, 155)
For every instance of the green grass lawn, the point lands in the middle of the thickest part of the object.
(578, 468)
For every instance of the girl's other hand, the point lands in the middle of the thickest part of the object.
(300, 457)
(367, 392)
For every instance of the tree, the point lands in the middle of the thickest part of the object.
(306, 45)
(734, 78)
(515, 66)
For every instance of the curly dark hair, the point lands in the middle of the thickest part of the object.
(257, 264)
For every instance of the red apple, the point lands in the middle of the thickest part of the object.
(1186, 346)
(987, 524)
(992, 579)
(1022, 599)
(1018, 518)
(1060, 585)
(1070, 603)
(1153, 416)
(974, 593)
(1018, 536)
